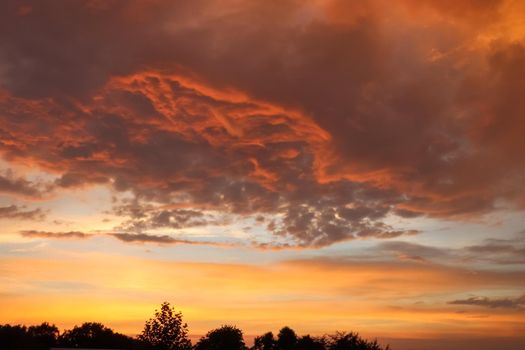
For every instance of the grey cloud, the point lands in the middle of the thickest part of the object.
(500, 251)
(146, 238)
(504, 303)
(494, 251)
(143, 217)
(11, 184)
(55, 235)
(321, 224)
(414, 251)
(21, 213)
(121, 236)
(163, 239)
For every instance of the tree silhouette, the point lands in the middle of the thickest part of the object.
(264, 342)
(43, 336)
(308, 343)
(40, 337)
(351, 341)
(94, 335)
(13, 337)
(286, 339)
(223, 338)
(166, 331)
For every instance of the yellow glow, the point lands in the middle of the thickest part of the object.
(314, 297)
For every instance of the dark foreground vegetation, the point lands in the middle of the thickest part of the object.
(167, 331)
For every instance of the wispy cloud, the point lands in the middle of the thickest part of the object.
(55, 235)
(509, 251)
(506, 303)
(21, 213)
(122, 236)
(13, 185)
(146, 238)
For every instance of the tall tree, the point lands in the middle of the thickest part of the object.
(166, 330)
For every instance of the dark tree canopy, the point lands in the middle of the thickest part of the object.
(94, 335)
(44, 334)
(166, 330)
(351, 341)
(223, 338)
(40, 337)
(286, 339)
(306, 342)
(13, 337)
(264, 342)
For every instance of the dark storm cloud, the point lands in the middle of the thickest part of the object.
(329, 117)
(197, 160)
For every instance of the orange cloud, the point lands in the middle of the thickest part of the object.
(397, 109)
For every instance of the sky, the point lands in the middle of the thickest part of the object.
(322, 164)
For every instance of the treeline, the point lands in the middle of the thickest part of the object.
(167, 331)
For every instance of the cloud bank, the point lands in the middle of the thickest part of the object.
(326, 118)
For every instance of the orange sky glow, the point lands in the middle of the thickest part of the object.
(322, 164)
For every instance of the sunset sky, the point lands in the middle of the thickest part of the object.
(322, 164)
